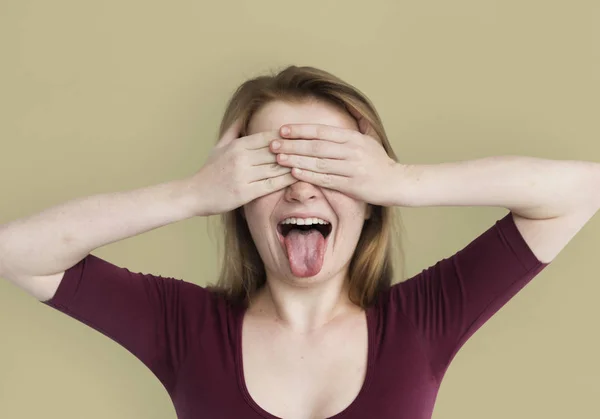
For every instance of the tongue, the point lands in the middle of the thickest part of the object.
(305, 250)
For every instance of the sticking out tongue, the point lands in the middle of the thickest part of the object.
(305, 250)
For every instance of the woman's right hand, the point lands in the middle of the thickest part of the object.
(238, 171)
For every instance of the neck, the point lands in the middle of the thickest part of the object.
(303, 309)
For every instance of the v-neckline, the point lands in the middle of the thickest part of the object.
(239, 365)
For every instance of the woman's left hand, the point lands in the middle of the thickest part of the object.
(346, 160)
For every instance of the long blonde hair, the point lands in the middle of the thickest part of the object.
(371, 268)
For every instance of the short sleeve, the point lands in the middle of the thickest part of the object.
(149, 315)
(448, 302)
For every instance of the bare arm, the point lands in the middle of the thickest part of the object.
(36, 250)
(48, 243)
(551, 200)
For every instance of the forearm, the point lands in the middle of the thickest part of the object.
(59, 237)
(531, 187)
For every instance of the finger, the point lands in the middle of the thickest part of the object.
(272, 184)
(331, 166)
(231, 133)
(260, 156)
(316, 148)
(260, 139)
(265, 171)
(317, 131)
(325, 180)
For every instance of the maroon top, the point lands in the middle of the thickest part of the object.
(190, 339)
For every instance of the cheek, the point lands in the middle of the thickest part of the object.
(258, 212)
(344, 206)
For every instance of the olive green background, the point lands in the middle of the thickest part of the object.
(115, 95)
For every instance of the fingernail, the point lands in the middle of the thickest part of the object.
(283, 157)
(285, 130)
(276, 144)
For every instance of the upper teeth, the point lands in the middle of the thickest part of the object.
(303, 221)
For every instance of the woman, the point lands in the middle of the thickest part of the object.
(304, 322)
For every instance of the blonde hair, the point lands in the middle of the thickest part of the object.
(371, 268)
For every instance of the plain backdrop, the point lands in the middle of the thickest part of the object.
(107, 96)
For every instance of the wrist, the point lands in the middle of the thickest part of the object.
(187, 198)
(404, 186)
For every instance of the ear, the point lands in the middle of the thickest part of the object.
(363, 125)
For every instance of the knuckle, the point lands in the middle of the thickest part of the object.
(321, 164)
(269, 183)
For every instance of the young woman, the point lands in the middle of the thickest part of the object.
(304, 322)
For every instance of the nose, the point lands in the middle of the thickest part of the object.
(301, 192)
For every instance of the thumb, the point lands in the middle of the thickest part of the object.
(231, 134)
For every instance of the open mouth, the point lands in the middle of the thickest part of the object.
(324, 229)
(304, 246)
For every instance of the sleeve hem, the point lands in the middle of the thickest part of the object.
(68, 285)
(517, 243)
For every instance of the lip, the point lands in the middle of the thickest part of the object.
(301, 215)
